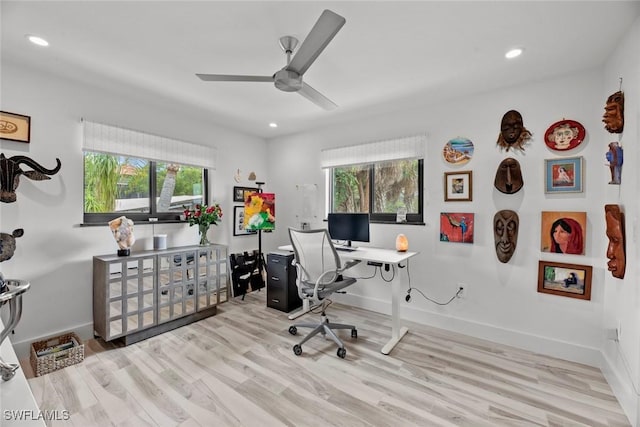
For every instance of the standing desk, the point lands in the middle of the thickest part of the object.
(389, 257)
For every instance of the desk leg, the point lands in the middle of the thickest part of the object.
(397, 332)
(306, 307)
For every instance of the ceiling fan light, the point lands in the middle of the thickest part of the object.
(513, 53)
(37, 40)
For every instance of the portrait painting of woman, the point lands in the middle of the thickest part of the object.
(563, 232)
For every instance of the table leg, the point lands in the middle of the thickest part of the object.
(306, 307)
(397, 332)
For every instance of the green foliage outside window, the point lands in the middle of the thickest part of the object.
(392, 185)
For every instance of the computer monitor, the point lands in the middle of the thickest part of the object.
(349, 227)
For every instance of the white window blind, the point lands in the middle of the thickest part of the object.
(115, 140)
(411, 147)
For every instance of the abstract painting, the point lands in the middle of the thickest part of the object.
(456, 227)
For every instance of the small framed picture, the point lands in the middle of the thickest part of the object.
(15, 127)
(238, 222)
(458, 186)
(456, 227)
(240, 193)
(563, 175)
(567, 280)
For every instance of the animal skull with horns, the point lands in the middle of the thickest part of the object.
(10, 172)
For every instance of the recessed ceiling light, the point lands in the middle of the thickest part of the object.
(37, 40)
(273, 125)
(513, 53)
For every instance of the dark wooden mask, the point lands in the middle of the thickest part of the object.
(509, 176)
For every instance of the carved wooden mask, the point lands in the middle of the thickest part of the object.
(613, 117)
(509, 176)
(513, 134)
(614, 218)
(505, 233)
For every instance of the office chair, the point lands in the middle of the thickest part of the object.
(319, 274)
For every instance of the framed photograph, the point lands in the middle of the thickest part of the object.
(238, 222)
(563, 232)
(458, 186)
(15, 127)
(456, 227)
(563, 175)
(240, 193)
(567, 280)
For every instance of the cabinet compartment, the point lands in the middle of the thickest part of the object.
(151, 292)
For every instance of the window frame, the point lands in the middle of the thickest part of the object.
(385, 218)
(153, 216)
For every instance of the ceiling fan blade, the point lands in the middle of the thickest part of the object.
(233, 78)
(317, 98)
(325, 28)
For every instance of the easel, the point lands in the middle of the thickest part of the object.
(247, 268)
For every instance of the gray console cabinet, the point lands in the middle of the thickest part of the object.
(151, 292)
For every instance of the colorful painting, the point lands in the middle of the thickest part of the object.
(563, 232)
(456, 227)
(260, 211)
(563, 175)
(569, 280)
(458, 151)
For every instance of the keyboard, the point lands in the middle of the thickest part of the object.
(345, 248)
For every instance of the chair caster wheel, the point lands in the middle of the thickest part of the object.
(342, 353)
(293, 330)
(297, 350)
(354, 333)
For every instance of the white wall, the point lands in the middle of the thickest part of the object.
(622, 297)
(501, 301)
(55, 253)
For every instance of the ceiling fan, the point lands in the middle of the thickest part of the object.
(289, 78)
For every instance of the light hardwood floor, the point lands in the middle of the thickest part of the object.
(238, 369)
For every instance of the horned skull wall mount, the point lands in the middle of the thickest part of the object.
(10, 171)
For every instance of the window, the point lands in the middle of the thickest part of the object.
(380, 188)
(139, 188)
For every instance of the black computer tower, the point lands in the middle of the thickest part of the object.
(282, 292)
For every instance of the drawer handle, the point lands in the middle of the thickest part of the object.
(275, 300)
(275, 279)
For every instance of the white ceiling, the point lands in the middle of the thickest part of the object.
(388, 56)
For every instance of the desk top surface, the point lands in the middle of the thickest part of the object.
(366, 253)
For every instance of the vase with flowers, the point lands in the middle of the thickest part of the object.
(203, 216)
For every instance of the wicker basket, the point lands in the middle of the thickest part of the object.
(52, 354)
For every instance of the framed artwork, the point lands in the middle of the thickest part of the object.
(238, 222)
(458, 151)
(260, 211)
(564, 135)
(563, 175)
(567, 280)
(240, 193)
(15, 127)
(458, 186)
(563, 232)
(456, 227)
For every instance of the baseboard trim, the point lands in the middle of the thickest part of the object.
(538, 344)
(621, 384)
